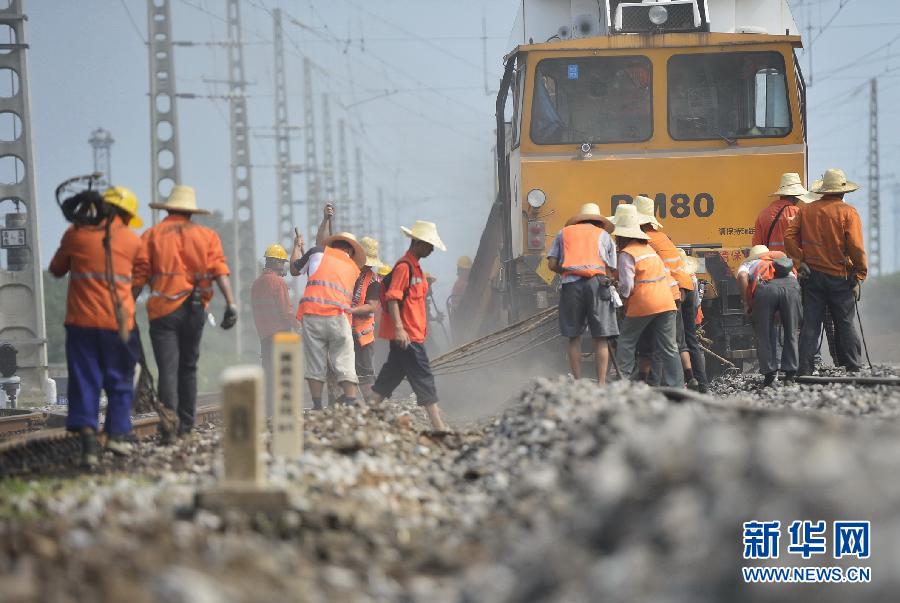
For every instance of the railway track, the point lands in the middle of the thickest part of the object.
(27, 446)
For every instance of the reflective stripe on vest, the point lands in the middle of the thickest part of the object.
(662, 244)
(581, 251)
(363, 326)
(651, 293)
(98, 276)
(328, 291)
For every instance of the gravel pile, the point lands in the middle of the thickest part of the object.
(574, 493)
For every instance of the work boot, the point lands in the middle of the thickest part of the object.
(703, 388)
(90, 449)
(789, 377)
(319, 404)
(121, 444)
(693, 384)
(166, 438)
(769, 379)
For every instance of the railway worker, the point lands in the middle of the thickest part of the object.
(272, 311)
(186, 258)
(825, 240)
(404, 322)
(584, 255)
(771, 293)
(684, 290)
(644, 283)
(365, 302)
(463, 268)
(96, 355)
(773, 221)
(690, 311)
(324, 313)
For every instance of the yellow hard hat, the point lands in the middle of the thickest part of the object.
(464, 262)
(384, 270)
(275, 252)
(125, 199)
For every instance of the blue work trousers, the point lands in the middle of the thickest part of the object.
(99, 359)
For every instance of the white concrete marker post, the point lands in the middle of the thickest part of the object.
(287, 422)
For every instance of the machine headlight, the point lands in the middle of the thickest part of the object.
(658, 15)
(536, 198)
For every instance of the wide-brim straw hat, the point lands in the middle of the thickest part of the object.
(834, 181)
(590, 212)
(809, 197)
(628, 223)
(425, 231)
(646, 211)
(691, 264)
(370, 246)
(359, 254)
(791, 186)
(182, 199)
(756, 251)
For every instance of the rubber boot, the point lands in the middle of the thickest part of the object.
(90, 449)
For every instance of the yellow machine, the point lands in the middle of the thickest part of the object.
(702, 121)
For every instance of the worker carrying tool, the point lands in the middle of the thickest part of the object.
(325, 309)
(365, 303)
(825, 240)
(186, 258)
(774, 220)
(404, 322)
(584, 255)
(645, 285)
(771, 293)
(102, 257)
(272, 311)
(684, 293)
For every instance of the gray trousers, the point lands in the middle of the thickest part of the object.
(781, 296)
(821, 291)
(662, 329)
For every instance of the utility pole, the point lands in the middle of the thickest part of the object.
(244, 231)
(311, 163)
(809, 41)
(101, 142)
(21, 286)
(344, 180)
(874, 178)
(328, 156)
(283, 172)
(165, 169)
(362, 222)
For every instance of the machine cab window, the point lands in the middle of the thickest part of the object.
(728, 96)
(593, 99)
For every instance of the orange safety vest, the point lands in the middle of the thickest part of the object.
(581, 251)
(329, 291)
(652, 293)
(663, 246)
(764, 270)
(363, 326)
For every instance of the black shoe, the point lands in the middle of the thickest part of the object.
(167, 438)
(319, 405)
(703, 388)
(90, 449)
(854, 369)
(769, 379)
(789, 377)
(347, 400)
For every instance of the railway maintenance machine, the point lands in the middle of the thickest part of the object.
(698, 104)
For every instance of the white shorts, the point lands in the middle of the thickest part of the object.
(328, 341)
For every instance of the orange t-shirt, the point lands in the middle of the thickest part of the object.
(183, 255)
(410, 289)
(89, 302)
(764, 223)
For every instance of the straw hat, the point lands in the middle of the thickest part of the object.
(590, 212)
(370, 246)
(756, 251)
(425, 231)
(182, 199)
(628, 222)
(834, 182)
(646, 211)
(809, 197)
(791, 186)
(359, 254)
(691, 264)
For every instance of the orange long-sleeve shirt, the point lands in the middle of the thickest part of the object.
(410, 289)
(765, 219)
(827, 235)
(89, 302)
(183, 255)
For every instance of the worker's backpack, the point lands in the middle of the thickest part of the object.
(386, 282)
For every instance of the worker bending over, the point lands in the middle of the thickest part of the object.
(584, 256)
(825, 240)
(771, 294)
(99, 297)
(186, 258)
(324, 312)
(404, 322)
(272, 312)
(644, 283)
(366, 295)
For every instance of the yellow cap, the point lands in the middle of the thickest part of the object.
(124, 199)
(384, 270)
(464, 262)
(275, 252)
